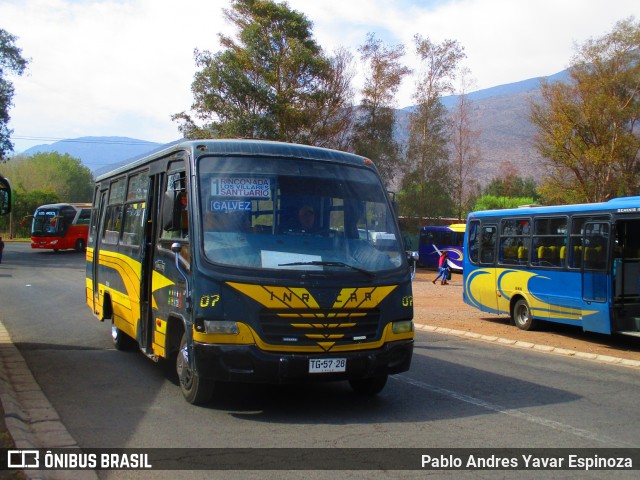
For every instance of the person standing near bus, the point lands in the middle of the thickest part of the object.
(443, 268)
(1, 248)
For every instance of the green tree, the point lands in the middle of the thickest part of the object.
(510, 184)
(11, 61)
(492, 202)
(50, 172)
(22, 214)
(374, 126)
(40, 179)
(273, 81)
(588, 128)
(427, 180)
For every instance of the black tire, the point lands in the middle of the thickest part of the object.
(195, 389)
(121, 341)
(521, 316)
(368, 386)
(81, 245)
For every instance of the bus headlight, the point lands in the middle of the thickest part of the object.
(221, 327)
(404, 326)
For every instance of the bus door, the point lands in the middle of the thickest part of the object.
(149, 233)
(171, 290)
(481, 282)
(596, 283)
(95, 239)
(489, 290)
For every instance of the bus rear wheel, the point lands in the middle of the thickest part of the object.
(196, 390)
(368, 386)
(522, 315)
(121, 341)
(81, 245)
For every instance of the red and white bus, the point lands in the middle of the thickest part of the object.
(61, 226)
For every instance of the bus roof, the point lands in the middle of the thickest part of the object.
(60, 205)
(613, 205)
(243, 147)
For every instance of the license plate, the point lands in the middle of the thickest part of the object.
(327, 365)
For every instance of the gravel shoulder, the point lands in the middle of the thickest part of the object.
(442, 306)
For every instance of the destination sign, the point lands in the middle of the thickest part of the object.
(247, 187)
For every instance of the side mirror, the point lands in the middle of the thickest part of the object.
(6, 196)
(412, 258)
(396, 207)
(176, 247)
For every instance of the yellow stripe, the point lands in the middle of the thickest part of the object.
(277, 297)
(274, 297)
(362, 298)
(129, 271)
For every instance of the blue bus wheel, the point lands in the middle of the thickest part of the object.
(522, 315)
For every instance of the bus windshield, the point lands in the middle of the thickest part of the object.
(52, 221)
(281, 213)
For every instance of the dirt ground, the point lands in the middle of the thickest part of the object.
(442, 306)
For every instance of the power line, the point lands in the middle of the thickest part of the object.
(84, 140)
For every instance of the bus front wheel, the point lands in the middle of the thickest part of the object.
(522, 315)
(195, 389)
(368, 386)
(81, 245)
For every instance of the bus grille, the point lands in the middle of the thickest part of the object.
(309, 327)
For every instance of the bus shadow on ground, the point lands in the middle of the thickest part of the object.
(412, 397)
(404, 399)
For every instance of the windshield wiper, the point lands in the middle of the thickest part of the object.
(328, 264)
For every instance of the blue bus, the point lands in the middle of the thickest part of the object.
(572, 264)
(433, 240)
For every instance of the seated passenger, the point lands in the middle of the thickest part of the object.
(307, 218)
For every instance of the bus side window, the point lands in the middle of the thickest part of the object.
(175, 219)
(112, 225)
(488, 245)
(474, 241)
(133, 217)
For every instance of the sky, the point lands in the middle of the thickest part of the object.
(123, 67)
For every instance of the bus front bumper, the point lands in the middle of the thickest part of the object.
(249, 364)
(48, 244)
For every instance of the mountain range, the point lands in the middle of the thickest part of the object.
(501, 114)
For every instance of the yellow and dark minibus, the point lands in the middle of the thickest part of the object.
(252, 261)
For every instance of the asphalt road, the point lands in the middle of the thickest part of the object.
(458, 394)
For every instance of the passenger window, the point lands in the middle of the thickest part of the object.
(488, 244)
(176, 222)
(550, 242)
